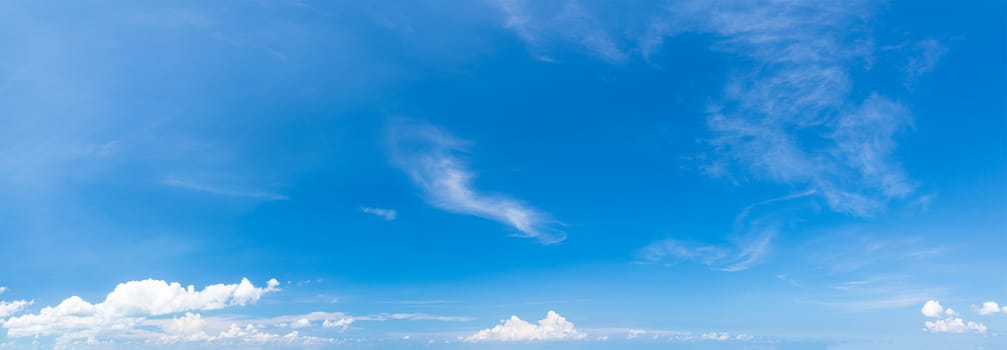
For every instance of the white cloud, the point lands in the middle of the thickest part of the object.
(129, 304)
(670, 335)
(413, 317)
(715, 336)
(3, 289)
(8, 308)
(189, 185)
(388, 214)
(989, 307)
(954, 325)
(635, 333)
(429, 156)
(932, 308)
(342, 322)
(540, 24)
(927, 53)
(552, 327)
(301, 323)
(252, 334)
(950, 324)
(189, 327)
(730, 258)
(793, 115)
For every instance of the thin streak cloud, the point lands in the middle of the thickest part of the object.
(173, 182)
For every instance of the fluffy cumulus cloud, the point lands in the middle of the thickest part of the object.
(8, 308)
(431, 158)
(188, 327)
(954, 325)
(225, 330)
(932, 308)
(949, 323)
(988, 308)
(552, 327)
(129, 304)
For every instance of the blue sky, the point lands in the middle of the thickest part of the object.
(503, 174)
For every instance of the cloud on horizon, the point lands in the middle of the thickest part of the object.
(552, 328)
(128, 305)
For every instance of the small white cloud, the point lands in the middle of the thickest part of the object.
(301, 323)
(954, 325)
(926, 55)
(989, 307)
(715, 336)
(388, 214)
(635, 333)
(343, 323)
(3, 289)
(552, 327)
(932, 308)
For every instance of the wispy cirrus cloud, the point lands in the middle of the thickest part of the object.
(431, 158)
(749, 243)
(791, 111)
(792, 116)
(388, 214)
(541, 24)
(738, 256)
(222, 191)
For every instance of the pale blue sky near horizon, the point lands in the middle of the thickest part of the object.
(659, 174)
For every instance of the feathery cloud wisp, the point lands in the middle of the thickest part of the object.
(173, 182)
(388, 214)
(792, 117)
(429, 156)
(541, 23)
(728, 258)
(792, 112)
